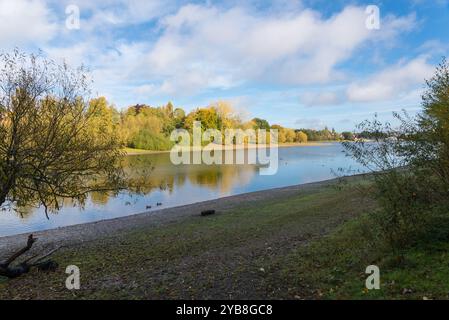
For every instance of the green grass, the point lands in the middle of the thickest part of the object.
(333, 267)
(313, 244)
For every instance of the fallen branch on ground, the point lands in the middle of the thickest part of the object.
(9, 271)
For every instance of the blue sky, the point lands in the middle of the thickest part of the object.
(298, 63)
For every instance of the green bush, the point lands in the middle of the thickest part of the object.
(145, 139)
(410, 163)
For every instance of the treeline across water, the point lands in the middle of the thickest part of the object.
(145, 127)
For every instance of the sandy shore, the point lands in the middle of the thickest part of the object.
(90, 231)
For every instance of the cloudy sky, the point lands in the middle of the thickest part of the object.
(297, 63)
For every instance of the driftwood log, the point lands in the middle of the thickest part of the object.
(207, 212)
(10, 271)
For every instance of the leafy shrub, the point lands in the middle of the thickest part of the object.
(410, 163)
(145, 139)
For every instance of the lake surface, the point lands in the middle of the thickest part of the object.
(183, 184)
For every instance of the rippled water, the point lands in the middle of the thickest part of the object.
(177, 185)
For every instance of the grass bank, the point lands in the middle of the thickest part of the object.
(307, 244)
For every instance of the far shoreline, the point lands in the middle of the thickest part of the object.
(136, 152)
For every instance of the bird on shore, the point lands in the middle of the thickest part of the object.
(159, 204)
(148, 207)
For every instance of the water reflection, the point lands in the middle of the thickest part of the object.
(166, 177)
(176, 185)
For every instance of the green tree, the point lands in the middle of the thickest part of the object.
(261, 124)
(148, 123)
(434, 125)
(179, 116)
(347, 135)
(179, 113)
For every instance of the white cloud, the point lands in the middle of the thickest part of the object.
(25, 21)
(75, 55)
(310, 123)
(324, 98)
(205, 47)
(392, 82)
(392, 26)
(402, 82)
(435, 46)
(119, 13)
(237, 45)
(145, 89)
(116, 71)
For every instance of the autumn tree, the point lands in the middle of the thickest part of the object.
(289, 135)
(104, 119)
(48, 151)
(207, 116)
(227, 118)
(301, 137)
(282, 136)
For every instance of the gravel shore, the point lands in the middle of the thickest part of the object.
(91, 231)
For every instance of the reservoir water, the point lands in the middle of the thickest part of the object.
(174, 185)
